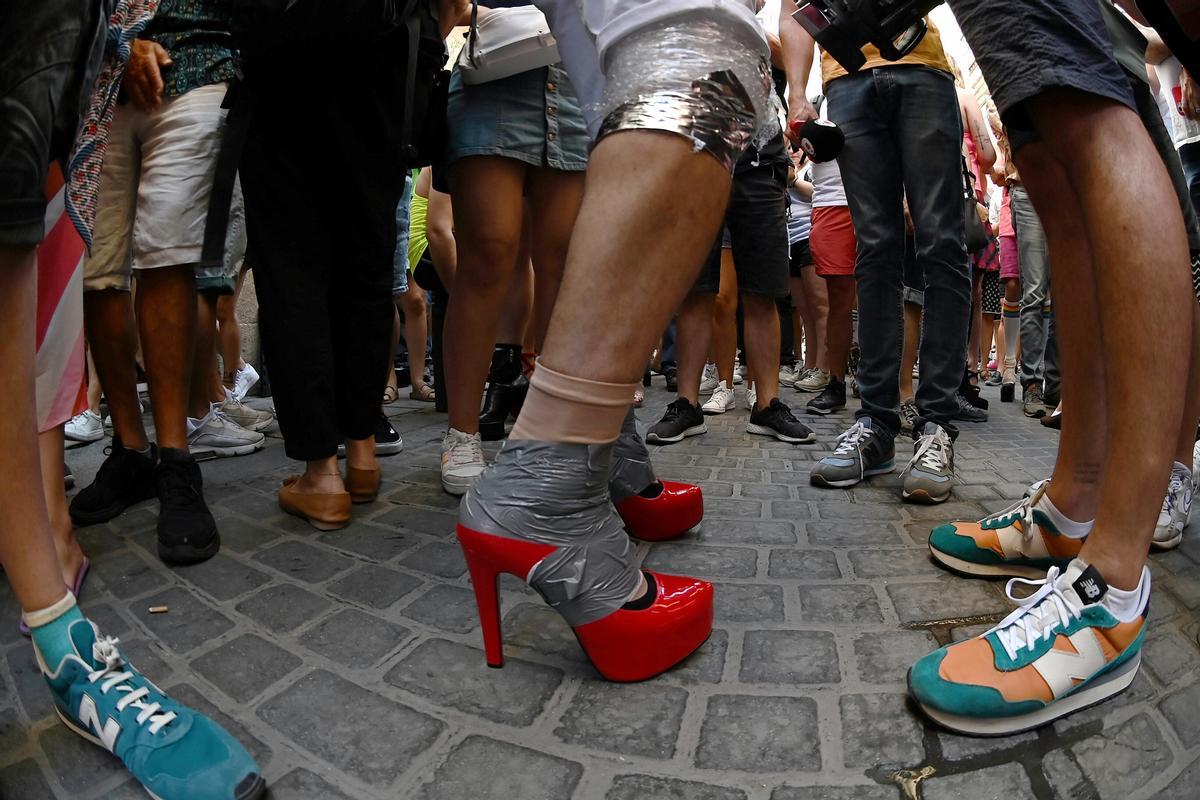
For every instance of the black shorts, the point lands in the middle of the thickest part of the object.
(1028, 47)
(756, 231)
(49, 55)
(801, 257)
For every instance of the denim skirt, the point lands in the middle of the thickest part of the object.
(532, 117)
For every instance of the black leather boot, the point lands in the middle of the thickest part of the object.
(506, 390)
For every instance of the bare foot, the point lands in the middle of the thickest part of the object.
(360, 453)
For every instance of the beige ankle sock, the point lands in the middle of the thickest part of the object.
(561, 408)
(44, 616)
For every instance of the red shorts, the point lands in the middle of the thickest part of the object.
(1010, 264)
(832, 241)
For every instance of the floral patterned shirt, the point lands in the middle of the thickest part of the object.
(196, 34)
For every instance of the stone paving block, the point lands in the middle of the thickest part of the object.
(146, 656)
(957, 748)
(283, 607)
(448, 608)
(721, 507)
(842, 511)
(789, 657)
(892, 563)
(242, 536)
(374, 586)
(946, 511)
(759, 734)
(791, 510)
(442, 559)
(834, 793)
(740, 475)
(192, 697)
(454, 675)
(816, 565)
(635, 719)
(304, 562)
(423, 495)
(852, 603)
(1171, 657)
(748, 532)
(706, 664)
(535, 627)
(851, 533)
(765, 491)
(1186, 587)
(354, 638)
(711, 562)
(415, 518)
(126, 574)
(300, 784)
(480, 768)
(223, 577)
(885, 656)
(737, 602)
(75, 762)
(878, 729)
(189, 623)
(370, 541)
(98, 540)
(12, 731)
(107, 618)
(1184, 785)
(1121, 760)
(24, 779)
(244, 667)
(648, 787)
(1004, 781)
(945, 599)
(356, 730)
(1182, 710)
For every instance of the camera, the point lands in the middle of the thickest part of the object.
(842, 27)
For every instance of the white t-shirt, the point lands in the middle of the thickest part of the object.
(827, 177)
(1183, 130)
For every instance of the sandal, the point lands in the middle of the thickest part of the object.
(390, 395)
(423, 393)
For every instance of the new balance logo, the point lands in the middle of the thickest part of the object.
(1063, 670)
(89, 716)
(1090, 588)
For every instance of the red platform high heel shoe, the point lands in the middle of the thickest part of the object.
(672, 511)
(627, 645)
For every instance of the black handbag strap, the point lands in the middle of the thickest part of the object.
(220, 199)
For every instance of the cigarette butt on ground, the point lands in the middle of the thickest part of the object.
(159, 609)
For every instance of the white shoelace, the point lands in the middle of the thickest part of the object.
(1174, 488)
(113, 677)
(850, 443)
(931, 455)
(466, 452)
(1037, 616)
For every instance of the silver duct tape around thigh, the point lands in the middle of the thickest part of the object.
(631, 470)
(557, 494)
(694, 77)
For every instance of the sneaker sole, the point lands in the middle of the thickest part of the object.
(821, 480)
(75, 437)
(823, 412)
(972, 570)
(1167, 544)
(1037, 413)
(709, 412)
(763, 430)
(924, 497)
(105, 514)
(389, 449)
(458, 486)
(807, 390)
(186, 554)
(695, 430)
(1104, 688)
(209, 453)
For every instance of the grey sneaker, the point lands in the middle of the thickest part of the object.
(788, 373)
(462, 461)
(862, 451)
(813, 381)
(1176, 508)
(709, 380)
(1032, 402)
(908, 416)
(930, 474)
(249, 418)
(218, 436)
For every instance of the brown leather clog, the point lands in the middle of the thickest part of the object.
(325, 511)
(362, 484)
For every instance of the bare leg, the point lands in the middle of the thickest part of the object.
(694, 333)
(762, 346)
(908, 357)
(973, 343)
(204, 364)
(70, 556)
(26, 539)
(391, 369)
(95, 391)
(416, 332)
(166, 305)
(811, 297)
(229, 333)
(554, 200)
(488, 214)
(841, 323)
(724, 321)
(112, 337)
(517, 311)
(987, 330)
(1191, 409)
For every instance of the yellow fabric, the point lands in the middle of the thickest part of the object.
(928, 53)
(417, 241)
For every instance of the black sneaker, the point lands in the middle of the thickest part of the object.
(187, 532)
(672, 377)
(832, 398)
(681, 420)
(968, 411)
(388, 441)
(126, 477)
(1032, 401)
(777, 420)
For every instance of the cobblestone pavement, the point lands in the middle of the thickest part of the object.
(350, 662)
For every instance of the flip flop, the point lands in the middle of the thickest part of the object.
(74, 589)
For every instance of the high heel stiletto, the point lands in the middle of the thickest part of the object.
(655, 516)
(627, 645)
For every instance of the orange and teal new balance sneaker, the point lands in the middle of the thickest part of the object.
(1019, 541)
(1063, 649)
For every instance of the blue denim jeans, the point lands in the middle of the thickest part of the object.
(1039, 348)
(904, 138)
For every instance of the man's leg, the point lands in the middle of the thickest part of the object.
(166, 311)
(908, 359)
(840, 331)
(112, 339)
(762, 345)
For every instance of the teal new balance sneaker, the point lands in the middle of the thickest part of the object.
(173, 751)
(1063, 649)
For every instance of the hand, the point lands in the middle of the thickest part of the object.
(799, 110)
(143, 75)
(1190, 93)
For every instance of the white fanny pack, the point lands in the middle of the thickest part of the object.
(505, 42)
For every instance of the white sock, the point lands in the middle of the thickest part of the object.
(1064, 524)
(1126, 604)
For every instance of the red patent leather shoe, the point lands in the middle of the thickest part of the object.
(674, 511)
(627, 645)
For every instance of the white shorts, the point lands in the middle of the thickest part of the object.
(154, 191)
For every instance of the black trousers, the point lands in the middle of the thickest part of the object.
(322, 172)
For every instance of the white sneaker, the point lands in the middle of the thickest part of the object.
(217, 436)
(1176, 508)
(788, 373)
(815, 381)
(249, 418)
(739, 374)
(1196, 464)
(85, 427)
(709, 380)
(247, 377)
(721, 400)
(751, 396)
(462, 461)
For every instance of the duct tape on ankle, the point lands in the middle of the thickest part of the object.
(630, 471)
